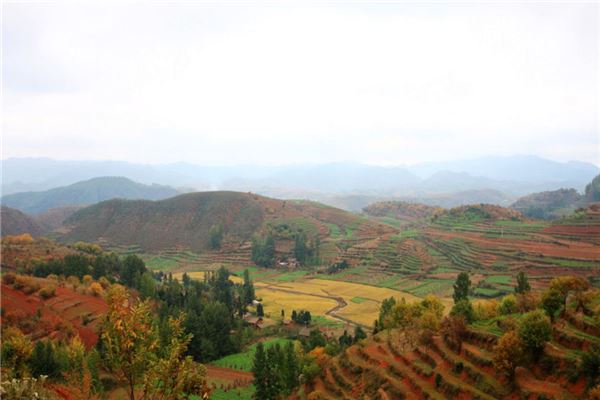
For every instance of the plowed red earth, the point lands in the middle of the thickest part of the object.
(67, 307)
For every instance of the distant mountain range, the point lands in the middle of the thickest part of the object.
(514, 176)
(85, 193)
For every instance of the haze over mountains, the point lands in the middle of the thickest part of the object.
(349, 185)
(85, 193)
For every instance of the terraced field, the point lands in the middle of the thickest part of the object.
(386, 367)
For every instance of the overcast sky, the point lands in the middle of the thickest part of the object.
(277, 84)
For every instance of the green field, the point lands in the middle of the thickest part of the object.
(243, 361)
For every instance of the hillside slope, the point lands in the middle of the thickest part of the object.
(185, 221)
(85, 193)
(15, 222)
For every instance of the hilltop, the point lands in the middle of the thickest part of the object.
(86, 192)
(185, 221)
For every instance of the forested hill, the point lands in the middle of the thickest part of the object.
(85, 193)
(189, 221)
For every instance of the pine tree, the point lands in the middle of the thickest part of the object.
(249, 294)
(260, 369)
(291, 368)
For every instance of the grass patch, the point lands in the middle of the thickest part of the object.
(358, 300)
(243, 361)
(240, 393)
(291, 276)
(499, 279)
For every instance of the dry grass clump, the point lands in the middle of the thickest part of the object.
(47, 291)
(26, 284)
(8, 278)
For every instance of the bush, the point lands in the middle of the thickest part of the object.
(27, 284)
(8, 278)
(87, 279)
(47, 291)
(508, 305)
(96, 289)
(26, 388)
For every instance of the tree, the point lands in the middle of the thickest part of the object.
(259, 310)
(294, 316)
(43, 360)
(535, 330)
(248, 288)
(215, 235)
(508, 304)
(359, 333)
(552, 301)
(176, 376)
(300, 247)
(16, 350)
(590, 363)
(128, 340)
(566, 284)
(261, 371)
(522, 283)
(263, 251)
(463, 308)
(508, 354)
(461, 287)
(147, 286)
(290, 371)
(453, 330)
(386, 307)
(132, 267)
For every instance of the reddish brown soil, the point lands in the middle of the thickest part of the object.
(227, 374)
(57, 313)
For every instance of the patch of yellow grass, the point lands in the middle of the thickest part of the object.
(364, 313)
(274, 301)
(199, 275)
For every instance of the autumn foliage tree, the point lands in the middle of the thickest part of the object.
(128, 338)
(508, 354)
(131, 347)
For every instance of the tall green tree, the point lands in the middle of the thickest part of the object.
(261, 372)
(248, 288)
(215, 236)
(523, 285)
(461, 287)
(291, 369)
(300, 248)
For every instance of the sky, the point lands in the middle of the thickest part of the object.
(281, 83)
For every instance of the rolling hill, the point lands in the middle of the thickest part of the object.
(15, 222)
(86, 192)
(557, 203)
(185, 221)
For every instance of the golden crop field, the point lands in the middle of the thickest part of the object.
(274, 301)
(199, 275)
(363, 312)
